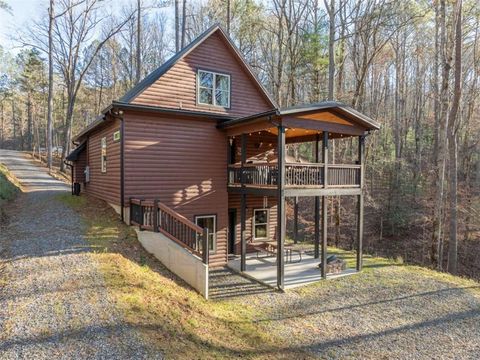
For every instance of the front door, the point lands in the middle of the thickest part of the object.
(232, 222)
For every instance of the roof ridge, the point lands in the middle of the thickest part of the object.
(158, 72)
(167, 65)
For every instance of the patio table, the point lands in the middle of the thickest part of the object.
(289, 250)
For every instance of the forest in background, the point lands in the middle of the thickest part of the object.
(411, 65)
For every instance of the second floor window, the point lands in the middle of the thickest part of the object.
(213, 89)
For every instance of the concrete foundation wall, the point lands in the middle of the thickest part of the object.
(177, 259)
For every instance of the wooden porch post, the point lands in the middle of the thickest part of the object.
(243, 207)
(361, 160)
(281, 208)
(295, 219)
(324, 205)
(317, 204)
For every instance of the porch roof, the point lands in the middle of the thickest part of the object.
(73, 156)
(306, 121)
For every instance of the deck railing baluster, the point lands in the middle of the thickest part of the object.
(296, 174)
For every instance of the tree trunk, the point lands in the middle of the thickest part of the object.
(139, 38)
(331, 49)
(68, 129)
(228, 16)
(452, 144)
(2, 125)
(184, 23)
(177, 25)
(436, 254)
(29, 122)
(50, 85)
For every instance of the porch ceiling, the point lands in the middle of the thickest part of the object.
(305, 122)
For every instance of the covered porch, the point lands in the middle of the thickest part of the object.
(276, 175)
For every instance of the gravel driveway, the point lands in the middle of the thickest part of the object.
(53, 301)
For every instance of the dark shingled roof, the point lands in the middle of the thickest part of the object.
(73, 156)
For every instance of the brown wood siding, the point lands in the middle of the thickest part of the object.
(183, 166)
(177, 87)
(253, 202)
(260, 146)
(79, 167)
(105, 186)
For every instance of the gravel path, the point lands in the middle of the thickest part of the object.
(388, 313)
(54, 304)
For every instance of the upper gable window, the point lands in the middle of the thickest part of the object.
(213, 89)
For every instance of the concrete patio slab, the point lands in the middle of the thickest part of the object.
(297, 273)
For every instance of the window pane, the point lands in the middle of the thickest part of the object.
(222, 82)
(260, 231)
(206, 222)
(211, 241)
(205, 96)
(206, 79)
(209, 223)
(221, 98)
(261, 217)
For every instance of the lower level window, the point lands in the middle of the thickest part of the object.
(260, 224)
(209, 222)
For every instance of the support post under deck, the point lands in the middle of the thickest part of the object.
(317, 205)
(295, 219)
(243, 208)
(281, 223)
(324, 205)
(361, 160)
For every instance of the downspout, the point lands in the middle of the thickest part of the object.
(122, 166)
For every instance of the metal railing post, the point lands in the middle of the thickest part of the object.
(155, 215)
(131, 211)
(141, 216)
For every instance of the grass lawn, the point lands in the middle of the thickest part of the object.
(390, 310)
(9, 186)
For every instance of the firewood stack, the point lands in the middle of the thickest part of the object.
(334, 265)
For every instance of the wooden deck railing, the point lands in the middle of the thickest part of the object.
(296, 174)
(154, 216)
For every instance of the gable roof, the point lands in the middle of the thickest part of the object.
(156, 74)
(338, 107)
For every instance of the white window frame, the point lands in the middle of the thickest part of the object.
(214, 235)
(255, 224)
(103, 154)
(214, 98)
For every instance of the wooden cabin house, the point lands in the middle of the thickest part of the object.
(200, 144)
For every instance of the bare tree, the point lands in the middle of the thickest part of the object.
(71, 33)
(51, 20)
(177, 25)
(139, 37)
(452, 142)
(331, 46)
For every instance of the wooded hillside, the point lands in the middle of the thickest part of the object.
(413, 66)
